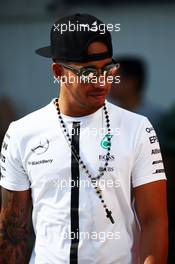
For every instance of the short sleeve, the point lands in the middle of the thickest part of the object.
(148, 164)
(12, 174)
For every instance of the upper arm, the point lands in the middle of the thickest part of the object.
(150, 202)
(13, 174)
(148, 177)
(147, 162)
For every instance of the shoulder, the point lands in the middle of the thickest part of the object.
(127, 118)
(32, 123)
(132, 128)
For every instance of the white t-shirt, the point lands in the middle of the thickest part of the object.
(36, 155)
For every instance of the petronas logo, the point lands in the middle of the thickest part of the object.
(104, 142)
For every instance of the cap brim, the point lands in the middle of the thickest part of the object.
(44, 52)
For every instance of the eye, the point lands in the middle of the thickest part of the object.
(88, 72)
(109, 67)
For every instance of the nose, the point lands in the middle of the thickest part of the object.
(99, 81)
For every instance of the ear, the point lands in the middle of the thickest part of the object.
(57, 70)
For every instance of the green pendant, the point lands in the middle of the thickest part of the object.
(104, 142)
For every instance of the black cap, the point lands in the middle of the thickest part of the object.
(71, 35)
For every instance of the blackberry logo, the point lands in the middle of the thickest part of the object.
(40, 162)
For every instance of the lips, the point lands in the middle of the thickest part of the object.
(98, 94)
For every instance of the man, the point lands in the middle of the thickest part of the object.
(130, 93)
(78, 159)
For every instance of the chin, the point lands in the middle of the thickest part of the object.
(96, 103)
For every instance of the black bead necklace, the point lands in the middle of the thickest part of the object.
(81, 162)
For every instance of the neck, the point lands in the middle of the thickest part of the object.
(70, 108)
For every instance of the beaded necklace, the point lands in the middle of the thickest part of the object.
(81, 162)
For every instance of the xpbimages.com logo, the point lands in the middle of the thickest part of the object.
(102, 28)
(102, 80)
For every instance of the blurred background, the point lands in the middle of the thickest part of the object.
(147, 34)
